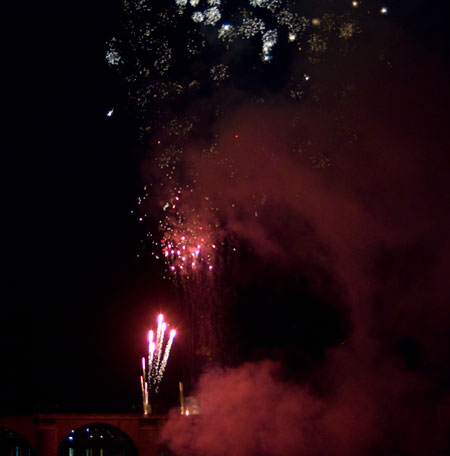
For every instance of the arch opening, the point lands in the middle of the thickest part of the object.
(14, 444)
(97, 439)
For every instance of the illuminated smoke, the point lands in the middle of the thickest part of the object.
(157, 53)
(233, 168)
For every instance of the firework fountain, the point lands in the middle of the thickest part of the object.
(154, 366)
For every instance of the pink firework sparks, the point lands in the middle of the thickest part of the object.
(158, 355)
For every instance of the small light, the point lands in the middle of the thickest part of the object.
(355, 3)
(110, 112)
(292, 36)
(384, 10)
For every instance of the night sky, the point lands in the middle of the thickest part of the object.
(71, 175)
(331, 279)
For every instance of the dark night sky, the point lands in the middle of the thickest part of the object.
(71, 180)
(76, 301)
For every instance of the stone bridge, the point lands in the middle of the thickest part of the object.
(53, 434)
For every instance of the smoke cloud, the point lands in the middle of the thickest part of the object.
(358, 186)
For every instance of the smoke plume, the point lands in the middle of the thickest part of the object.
(356, 186)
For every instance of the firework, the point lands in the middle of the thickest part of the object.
(155, 52)
(151, 350)
(158, 38)
(180, 384)
(165, 358)
(159, 344)
(143, 389)
(188, 242)
(247, 46)
(152, 374)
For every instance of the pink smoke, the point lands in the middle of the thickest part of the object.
(381, 214)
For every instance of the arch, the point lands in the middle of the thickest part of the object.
(14, 444)
(97, 439)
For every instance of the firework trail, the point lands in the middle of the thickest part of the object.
(158, 329)
(151, 351)
(150, 340)
(143, 390)
(166, 354)
(150, 348)
(152, 374)
(161, 338)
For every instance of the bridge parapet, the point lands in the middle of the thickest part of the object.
(45, 432)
